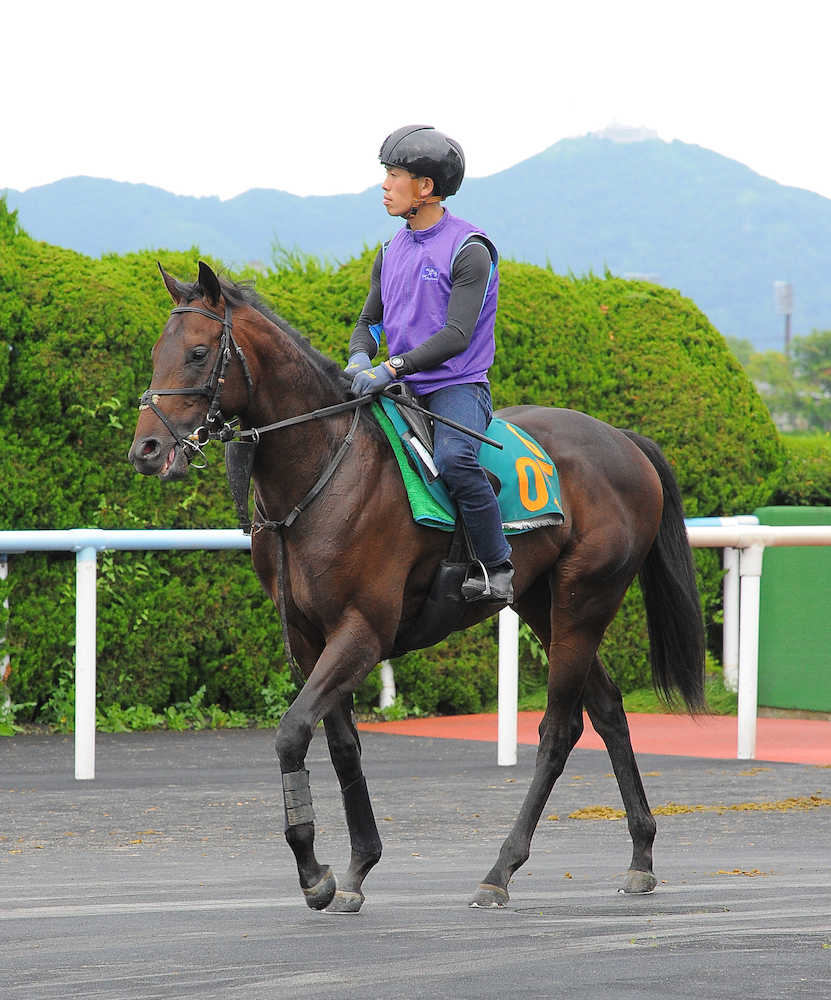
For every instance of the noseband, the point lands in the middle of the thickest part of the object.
(212, 389)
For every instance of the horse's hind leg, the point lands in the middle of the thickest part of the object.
(570, 655)
(345, 751)
(605, 709)
(558, 734)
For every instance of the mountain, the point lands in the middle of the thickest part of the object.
(621, 199)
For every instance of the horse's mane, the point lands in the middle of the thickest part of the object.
(243, 293)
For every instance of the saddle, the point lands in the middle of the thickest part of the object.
(419, 437)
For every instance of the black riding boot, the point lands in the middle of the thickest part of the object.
(489, 583)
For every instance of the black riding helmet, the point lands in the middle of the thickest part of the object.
(426, 152)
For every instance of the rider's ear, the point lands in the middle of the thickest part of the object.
(209, 283)
(174, 288)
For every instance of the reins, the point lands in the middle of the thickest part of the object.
(209, 431)
(323, 479)
(228, 433)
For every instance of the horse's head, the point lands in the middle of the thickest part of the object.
(188, 384)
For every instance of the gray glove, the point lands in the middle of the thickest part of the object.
(359, 362)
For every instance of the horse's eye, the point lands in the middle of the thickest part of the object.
(198, 354)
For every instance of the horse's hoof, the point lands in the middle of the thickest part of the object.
(489, 897)
(319, 896)
(346, 901)
(639, 881)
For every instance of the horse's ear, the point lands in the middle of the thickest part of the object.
(174, 288)
(209, 283)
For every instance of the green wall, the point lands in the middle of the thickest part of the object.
(795, 617)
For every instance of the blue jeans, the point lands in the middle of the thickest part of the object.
(457, 458)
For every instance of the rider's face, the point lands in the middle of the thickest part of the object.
(401, 190)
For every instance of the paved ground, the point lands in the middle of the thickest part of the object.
(168, 876)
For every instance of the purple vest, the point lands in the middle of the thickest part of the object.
(415, 291)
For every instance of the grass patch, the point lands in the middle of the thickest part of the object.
(719, 700)
(192, 714)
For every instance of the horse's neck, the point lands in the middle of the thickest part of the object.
(288, 382)
(290, 460)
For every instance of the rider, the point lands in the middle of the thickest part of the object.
(433, 293)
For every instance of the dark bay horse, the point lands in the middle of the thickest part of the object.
(353, 569)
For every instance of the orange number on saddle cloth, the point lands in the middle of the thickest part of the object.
(540, 489)
(541, 470)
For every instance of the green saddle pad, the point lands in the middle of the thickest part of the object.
(529, 488)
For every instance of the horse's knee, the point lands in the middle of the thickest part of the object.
(292, 741)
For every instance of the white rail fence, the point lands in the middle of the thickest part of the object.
(742, 539)
(86, 543)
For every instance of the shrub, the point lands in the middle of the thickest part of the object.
(806, 476)
(75, 339)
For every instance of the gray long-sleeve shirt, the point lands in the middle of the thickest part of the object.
(470, 276)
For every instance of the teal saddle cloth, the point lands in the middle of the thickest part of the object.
(527, 488)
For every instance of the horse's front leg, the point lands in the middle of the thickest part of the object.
(347, 657)
(345, 751)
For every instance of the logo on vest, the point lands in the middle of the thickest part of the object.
(429, 273)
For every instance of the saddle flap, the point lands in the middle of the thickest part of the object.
(419, 438)
(420, 425)
(425, 458)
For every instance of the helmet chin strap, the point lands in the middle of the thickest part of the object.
(418, 202)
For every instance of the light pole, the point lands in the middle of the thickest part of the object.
(783, 297)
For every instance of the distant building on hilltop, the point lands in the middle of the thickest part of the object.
(625, 133)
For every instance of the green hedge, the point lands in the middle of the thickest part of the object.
(806, 476)
(75, 339)
(633, 354)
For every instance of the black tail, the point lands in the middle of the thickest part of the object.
(670, 593)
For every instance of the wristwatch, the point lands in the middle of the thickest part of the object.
(397, 363)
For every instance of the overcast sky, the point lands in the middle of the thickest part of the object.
(213, 99)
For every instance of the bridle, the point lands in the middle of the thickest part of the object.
(216, 428)
(212, 389)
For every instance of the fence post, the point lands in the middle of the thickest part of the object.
(5, 662)
(750, 568)
(730, 628)
(387, 695)
(85, 632)
(508, 682)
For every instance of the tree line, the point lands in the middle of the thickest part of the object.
(794, 384)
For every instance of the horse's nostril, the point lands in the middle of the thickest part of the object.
(150, 446)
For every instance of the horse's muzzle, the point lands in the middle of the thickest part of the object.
(151, 458)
